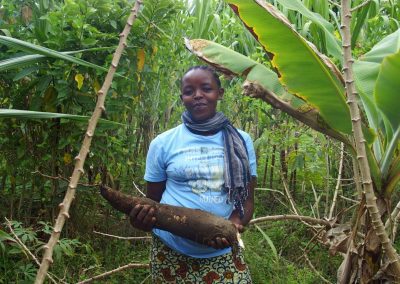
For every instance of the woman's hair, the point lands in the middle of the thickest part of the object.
(205, 68)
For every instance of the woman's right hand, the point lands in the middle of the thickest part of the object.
(143, 217)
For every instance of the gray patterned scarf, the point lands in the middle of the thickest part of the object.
(236, 160)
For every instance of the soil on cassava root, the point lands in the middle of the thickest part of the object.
(193, 224)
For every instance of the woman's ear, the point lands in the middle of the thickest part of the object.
(221, 93)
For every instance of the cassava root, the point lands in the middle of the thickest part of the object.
(194, 224)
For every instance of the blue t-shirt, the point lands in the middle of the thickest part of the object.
(192, 166)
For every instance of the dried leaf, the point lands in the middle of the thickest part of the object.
(140, 59)
(79, 80)
(96, 86)
(67, 158)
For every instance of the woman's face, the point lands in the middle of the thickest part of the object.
(200, 94)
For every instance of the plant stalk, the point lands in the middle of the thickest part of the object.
(360, 143)
(81, 157)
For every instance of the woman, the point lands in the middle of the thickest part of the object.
(204, 163)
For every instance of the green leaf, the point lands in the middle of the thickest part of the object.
(360, 19)
(269, 241)
(5, 32)
(333, 45)
(303, 71)
(6, 237)
(388, 45)
(393, 144)
(36, 49)
(89, 41)
(366, 68)
(25, 114)
(387, 88)
(20, 61)
(366, 71)
(25, 72)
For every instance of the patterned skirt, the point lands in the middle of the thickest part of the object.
(169, 266)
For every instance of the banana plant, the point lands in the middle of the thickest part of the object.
(306, 84)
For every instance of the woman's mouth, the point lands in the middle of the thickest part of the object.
(199, 106)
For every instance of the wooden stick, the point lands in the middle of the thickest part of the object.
(145, 238)
(81, 157)
(338, 182)
(315, 270)
(395, 225)
(317, 199)
(334, 3)
(360, 6)
(360, 142)
(292, 217)
(392, 216)
(288, 195)
(64, 179)
(306, 250)
(138, 189)
(108, 273)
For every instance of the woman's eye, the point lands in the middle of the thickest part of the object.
(187, 92)
(207, 89)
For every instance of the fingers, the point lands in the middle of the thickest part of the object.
(219, 243)
(240, 228)
(142, 217)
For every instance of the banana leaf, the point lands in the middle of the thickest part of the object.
(366, 70)
(387, 99)
(303, 71)
(387, 88)
(389, 45)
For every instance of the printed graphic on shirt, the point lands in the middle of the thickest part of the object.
(202, 168)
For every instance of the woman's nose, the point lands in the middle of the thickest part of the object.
(198, 93)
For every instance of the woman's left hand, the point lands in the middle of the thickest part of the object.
(236, 221)
(219, 243)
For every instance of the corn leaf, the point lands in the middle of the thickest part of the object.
(333, 45)
(26, 114)
(23, 60)
(40, 50)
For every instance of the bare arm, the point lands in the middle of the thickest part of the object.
(155, 190)
(142, 216)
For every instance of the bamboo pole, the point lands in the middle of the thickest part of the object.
(81, 157)
(360, 142)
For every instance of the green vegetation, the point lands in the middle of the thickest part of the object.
(53, 59)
